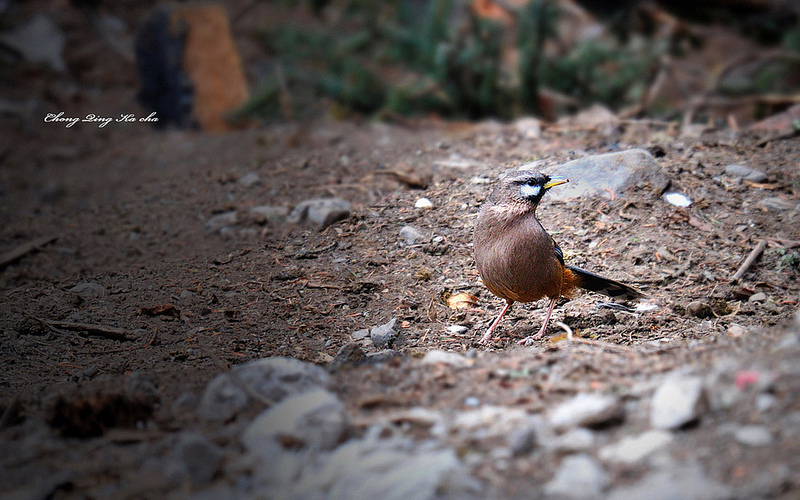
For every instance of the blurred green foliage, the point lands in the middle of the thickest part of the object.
(413, 57)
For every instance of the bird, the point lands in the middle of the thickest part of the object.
(518, 260)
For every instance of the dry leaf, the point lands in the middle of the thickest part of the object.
(461, 300)
(161, 310)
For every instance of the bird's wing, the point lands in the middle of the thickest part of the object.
(559, 252)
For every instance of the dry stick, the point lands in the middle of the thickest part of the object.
(108, 332)
(12, 255)
(762, 244)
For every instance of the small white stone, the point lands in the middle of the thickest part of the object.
(677, 199)
(677, 401)
(585, 409)
(753, 435)
(444, 357)
(632, 449)
(423, 203)
(578, 476)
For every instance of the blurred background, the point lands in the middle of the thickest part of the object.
(235, 63)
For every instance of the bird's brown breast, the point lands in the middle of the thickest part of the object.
(515, 255)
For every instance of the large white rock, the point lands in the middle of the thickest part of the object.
(677, 401)
(315, 419)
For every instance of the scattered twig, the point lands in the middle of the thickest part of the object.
(566, 328)
(109, 332)
(762, 244)
(13, 255)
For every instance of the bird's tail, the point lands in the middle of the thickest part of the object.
(593, 282)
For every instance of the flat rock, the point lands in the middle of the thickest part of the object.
(267, 213)
(320, 211)
(411, 235)
(746, 173)
(632, 449)
(200, 457)
(218, 222)
(89, 290)
(598, 174)
(578, 476)
(314, 419)
(577, 439)
(387, 470)
(383, 336)
(249, 179)
(753, 435)
(273, 378)
(777, 204)
(586, 409)
(679, 400)
(445, 357)
(679, 483)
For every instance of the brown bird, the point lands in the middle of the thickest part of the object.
(518, 261)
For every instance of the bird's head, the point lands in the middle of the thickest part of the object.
(529, 187)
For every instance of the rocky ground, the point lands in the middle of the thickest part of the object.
(191, 330)
(293, 311)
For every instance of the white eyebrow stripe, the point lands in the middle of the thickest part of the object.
(530, 191)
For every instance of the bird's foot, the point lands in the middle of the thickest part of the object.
(528, 341)
(486, 338)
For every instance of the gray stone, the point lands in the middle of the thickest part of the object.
(586, 409)
(577, 439)
(593, 175)
(40, 41)
(679, 400)
(348, 356)
(388, 470)
(89, 290)
(444, 357)
(753, 435)
(424, 203)
(267, 213)
(757, 297)
(320, 211)
(411, 234)
(384, 336)
(142, 385)
(521, 440)
(218, 222)
(272, 378)
(200, 457)
(249, 179)
(360, 334)
(746, 173)
(632, 449)
(315, 419)
(678, 483)
(578, 476)
(778, 204)
(457, 329)
(489, 422)
(699, 309)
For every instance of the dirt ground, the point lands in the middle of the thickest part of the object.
(133, 249)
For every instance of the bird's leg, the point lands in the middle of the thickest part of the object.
(488, 335)
(543, 329)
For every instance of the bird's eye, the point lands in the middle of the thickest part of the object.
(531, 182)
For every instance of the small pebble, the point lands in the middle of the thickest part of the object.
(753, 435)
(423, 203)
(456, 329)
(677, 199)
(699, 309)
